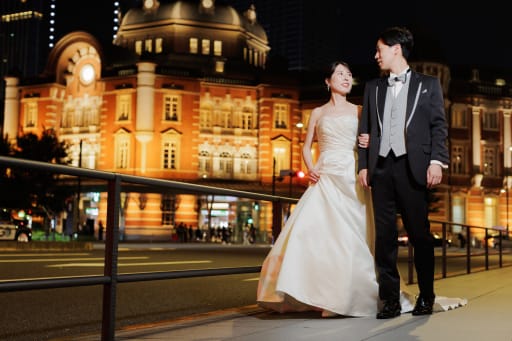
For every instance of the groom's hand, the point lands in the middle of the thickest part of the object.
(434, 175)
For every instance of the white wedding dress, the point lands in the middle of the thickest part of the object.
(322, 259)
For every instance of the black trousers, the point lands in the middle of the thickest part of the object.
(395, 191)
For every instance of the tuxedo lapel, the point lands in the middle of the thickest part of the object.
(412, 95)
(382, 88)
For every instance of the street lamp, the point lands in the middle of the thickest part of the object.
(79, 191)
(274, 176)
(505, 191)
(299, 126)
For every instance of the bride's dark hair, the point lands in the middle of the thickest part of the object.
(332, 67)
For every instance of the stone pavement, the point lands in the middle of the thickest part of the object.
(486, 317)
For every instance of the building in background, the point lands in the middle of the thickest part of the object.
(297, 37)
(29, 30)
(195, 91)
(181, 94)
(21, 42)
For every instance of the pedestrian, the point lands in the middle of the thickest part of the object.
(462, 240)
(100, 230)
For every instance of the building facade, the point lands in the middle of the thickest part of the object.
(184, 94)
(188, 99)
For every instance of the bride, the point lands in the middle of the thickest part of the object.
(322, 259)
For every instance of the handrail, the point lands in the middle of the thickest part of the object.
(468, 229)
(111, 278)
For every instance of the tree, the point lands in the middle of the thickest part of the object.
(24, 188)
(6, 149)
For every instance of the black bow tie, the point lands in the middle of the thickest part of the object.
(402, 78)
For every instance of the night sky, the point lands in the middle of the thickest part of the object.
(467, 36)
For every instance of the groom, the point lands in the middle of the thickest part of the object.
(404, 116)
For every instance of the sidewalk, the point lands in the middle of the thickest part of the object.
(487, 316)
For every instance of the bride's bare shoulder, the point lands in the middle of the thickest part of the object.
(318, 111)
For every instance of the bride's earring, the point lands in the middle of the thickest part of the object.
(328, 88)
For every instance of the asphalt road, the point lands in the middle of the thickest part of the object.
(61, 313)
(51, 313)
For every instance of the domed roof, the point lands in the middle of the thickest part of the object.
(191, 11)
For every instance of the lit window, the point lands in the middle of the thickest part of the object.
(168, 206)
(219, 66)
(31, 114)
(138, 47)
(122, 148)
(281, 113)
(205, 162)
(458, 118)
(193, 45)
(205, 46)
(225, 164)
(281, 154)
(170, 146)
(217, 48)
(458, 159)
(158, 45)
(124, 107)
(172, 108)
(489, 166)
(490, 120)
(148, 45)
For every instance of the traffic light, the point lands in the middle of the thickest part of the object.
(299, 174)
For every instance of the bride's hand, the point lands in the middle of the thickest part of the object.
(363, 140)
(313, 176)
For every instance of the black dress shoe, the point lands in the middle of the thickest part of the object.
(389, 310)
(424, 306)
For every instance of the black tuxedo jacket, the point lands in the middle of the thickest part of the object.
(425, 128)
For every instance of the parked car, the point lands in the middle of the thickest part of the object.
(403, 240)
(13, 228)
(494, 242)
(438, 240)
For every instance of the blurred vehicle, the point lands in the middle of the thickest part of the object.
(438, 240)
(403, 240)
(13, 227)
(494, 241)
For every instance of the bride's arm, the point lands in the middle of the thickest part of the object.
(308, 142)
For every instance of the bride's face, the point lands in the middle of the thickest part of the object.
(341, 80)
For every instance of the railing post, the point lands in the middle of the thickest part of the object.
(500, 246)
(111, 255)
(486, 248)
(443, 259)
(468, 249)
(277, 218)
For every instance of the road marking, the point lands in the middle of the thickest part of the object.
(60, 259)
(44, 254)
(251, 279)
(82, 265)
(40, 278)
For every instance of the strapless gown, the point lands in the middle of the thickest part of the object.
(322, 259)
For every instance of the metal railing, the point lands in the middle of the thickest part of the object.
(111, 278)
(468, 231)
